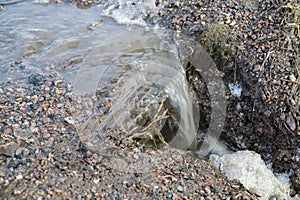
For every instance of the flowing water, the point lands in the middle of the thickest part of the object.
(49, 38)
(82, 47)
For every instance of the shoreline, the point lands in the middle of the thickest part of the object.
(244, 66)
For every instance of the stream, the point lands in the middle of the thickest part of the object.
(82, 46)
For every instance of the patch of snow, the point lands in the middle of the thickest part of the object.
(235, 89)
(251, 171)
(284, 178)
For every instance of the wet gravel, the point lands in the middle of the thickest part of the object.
(42, 156)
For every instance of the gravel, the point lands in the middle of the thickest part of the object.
(42, 156)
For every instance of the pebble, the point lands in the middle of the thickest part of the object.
(197, 165)
(36, 79)
(272, 198)
(19, 177)
(96, 181)
(169, 195)
(70, 121)
(9, 149)
(207, 189)
(180, 188)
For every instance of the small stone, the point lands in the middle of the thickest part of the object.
(179, 188)
(9, 149)
(58, 191)
(19, 99)
(293, 78)
(10, 90)
(69, 121)
(168, 195)
(36, 79)
(197, 165)
(96, 180)
(135, 156)
(57, 82)
(290, 121)
(207, 189)
(19, 177)
(272, 198)
(58, 91)
(45, 120)
(237, 186)
(47, 89)
(257, 68)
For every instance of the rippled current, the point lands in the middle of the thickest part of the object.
(81, 46)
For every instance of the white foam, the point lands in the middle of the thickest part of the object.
(129, 12)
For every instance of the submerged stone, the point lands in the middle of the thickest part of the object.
(36, 79)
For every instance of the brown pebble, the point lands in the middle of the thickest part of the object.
(235, 186)
(17, 192)
(135, 156)
(9, 149)
(58, 91)
(58, 191)
(9, 89)
(45, 120)
(50, 192)
(47, 89)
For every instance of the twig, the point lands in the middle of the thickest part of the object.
(235, 67)
(161, 117)
(264, 62)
